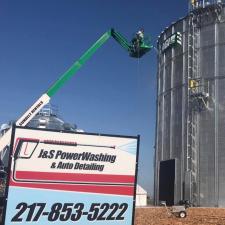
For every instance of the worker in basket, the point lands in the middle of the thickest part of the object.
(138, 40)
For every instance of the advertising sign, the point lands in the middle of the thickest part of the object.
(71, 178)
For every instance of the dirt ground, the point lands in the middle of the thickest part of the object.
(195, 216)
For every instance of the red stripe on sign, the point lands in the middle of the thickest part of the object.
(73, 177)
(101, 189)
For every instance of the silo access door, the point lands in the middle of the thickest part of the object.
(166, 181)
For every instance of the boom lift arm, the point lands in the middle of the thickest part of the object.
(134, 51)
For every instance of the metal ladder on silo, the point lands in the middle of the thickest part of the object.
(192, 132)
(198, 100)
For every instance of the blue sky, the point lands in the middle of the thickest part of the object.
(112, 93)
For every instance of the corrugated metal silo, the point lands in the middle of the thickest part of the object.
(190, 130)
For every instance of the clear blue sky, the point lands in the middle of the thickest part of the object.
(112, 93)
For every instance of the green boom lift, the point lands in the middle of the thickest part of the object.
(134, 51)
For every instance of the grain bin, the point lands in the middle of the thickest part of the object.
(190, 127)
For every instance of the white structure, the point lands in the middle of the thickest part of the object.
(141, 196)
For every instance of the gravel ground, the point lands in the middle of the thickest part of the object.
(195, 216)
